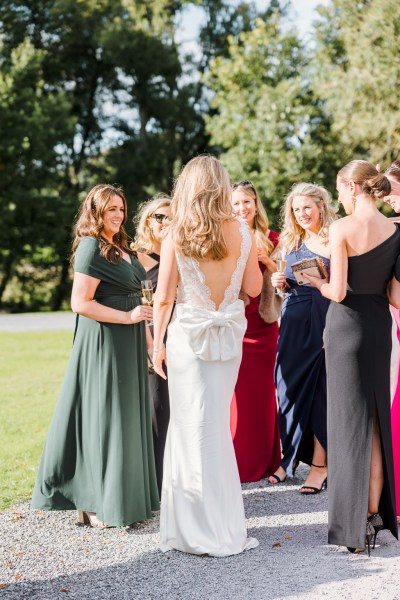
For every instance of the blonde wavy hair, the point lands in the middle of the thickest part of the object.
(90, 223)
(292, 233)
(144, 239)
(261, 224)
(201, 203)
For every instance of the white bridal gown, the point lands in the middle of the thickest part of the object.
(201, 505)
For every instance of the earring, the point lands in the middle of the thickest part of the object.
(151, 229)
(353, 202)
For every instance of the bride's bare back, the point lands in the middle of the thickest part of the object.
(218, 273)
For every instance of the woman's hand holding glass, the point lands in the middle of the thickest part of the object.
(140, 313)
(278, 280)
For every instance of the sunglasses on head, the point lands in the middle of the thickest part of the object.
(159, 217)
(243, 184)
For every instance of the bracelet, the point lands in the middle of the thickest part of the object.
(158, 350)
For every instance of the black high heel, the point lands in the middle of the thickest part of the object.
(315, 490)
(369, 535)
(377, 524)
(355, 550)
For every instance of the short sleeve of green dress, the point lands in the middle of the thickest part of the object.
(98, 454)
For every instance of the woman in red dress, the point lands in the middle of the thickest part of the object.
(254, 418)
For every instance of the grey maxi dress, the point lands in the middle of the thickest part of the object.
(98, 454)
(357, 348)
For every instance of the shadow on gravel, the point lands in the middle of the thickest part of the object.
(265, 573)
(285, 501)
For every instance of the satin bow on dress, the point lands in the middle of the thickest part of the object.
(214, 334)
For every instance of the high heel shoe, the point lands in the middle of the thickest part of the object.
(88, 518)
(377, 524)
(355, 550)
(315, 490)
(369, 535)
(278, 479)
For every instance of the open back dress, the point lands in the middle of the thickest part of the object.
(357, 347)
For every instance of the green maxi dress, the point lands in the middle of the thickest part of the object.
(98, 454)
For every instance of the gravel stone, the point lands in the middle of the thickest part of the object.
(47, 556)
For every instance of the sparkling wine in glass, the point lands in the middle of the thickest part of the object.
(281, 266)
(147, 293)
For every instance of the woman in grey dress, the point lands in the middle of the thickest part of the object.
(364, 249)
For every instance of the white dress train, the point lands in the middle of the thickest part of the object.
(201, 505)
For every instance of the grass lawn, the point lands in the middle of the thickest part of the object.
(32, 366)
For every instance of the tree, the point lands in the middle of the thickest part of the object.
(356, 72)
(33, 122)
(116, 68)
(270, 124)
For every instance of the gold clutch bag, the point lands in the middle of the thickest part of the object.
(310, 266)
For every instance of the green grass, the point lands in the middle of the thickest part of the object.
(32, 366)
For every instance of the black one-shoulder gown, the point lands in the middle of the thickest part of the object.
(357, 349)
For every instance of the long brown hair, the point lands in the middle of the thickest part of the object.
(200, 204)
(90, 223)
(261, 225)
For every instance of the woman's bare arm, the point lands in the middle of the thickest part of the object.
(393, 293)
(252, 276)
(336, 289)
(164, 299)
(82, 303)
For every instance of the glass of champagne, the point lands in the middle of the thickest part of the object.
(280, 262)
(147, 291)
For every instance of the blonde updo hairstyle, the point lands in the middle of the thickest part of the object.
(371, 182)
(292, 233)
(201, 203)
(90, 223)
(144, 238)
(261, 224)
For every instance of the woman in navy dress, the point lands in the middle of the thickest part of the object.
(300, 366)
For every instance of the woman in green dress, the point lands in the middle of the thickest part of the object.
(98, 457)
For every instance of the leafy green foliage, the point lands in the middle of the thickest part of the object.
(271, 126)
(99, 90)
(356, 69)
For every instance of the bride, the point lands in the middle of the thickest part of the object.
(209, 255)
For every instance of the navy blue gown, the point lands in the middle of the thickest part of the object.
(300, 374)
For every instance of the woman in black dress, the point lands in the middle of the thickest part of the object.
(364, 249)
(151, 220)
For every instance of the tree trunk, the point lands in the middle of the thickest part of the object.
(8, 271)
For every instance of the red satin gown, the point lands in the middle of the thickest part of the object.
(254, 416)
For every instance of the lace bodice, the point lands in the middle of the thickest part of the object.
(192, 288)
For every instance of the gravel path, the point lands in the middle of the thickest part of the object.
(47, 556)
(37, 321)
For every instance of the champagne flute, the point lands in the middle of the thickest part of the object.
(147, 291)
(280, 262)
